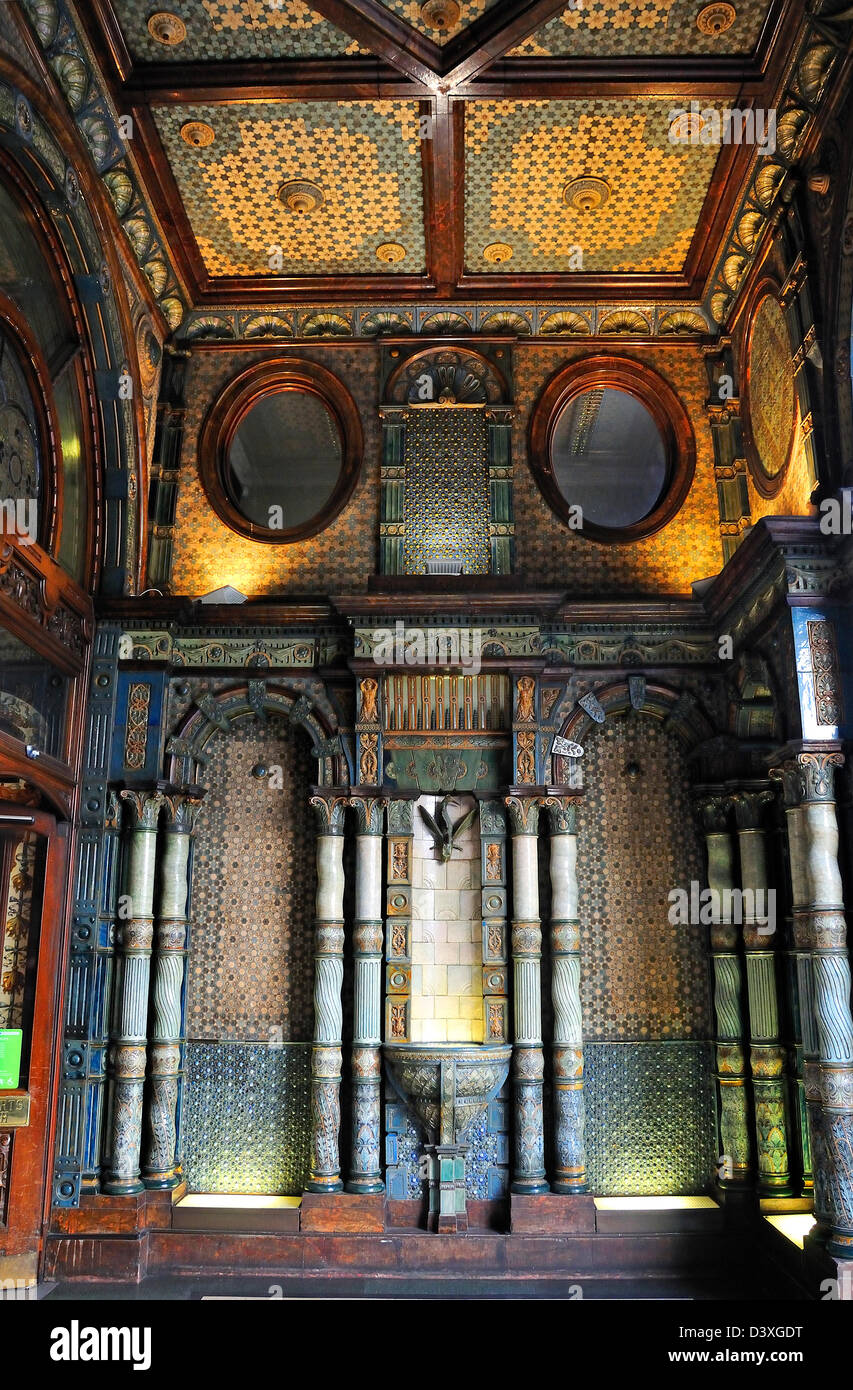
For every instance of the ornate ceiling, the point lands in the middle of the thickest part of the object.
(389, 152)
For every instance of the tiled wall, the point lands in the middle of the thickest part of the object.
(447, 952)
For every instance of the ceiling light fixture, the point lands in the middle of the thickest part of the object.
(301, 196)
(716, 19)
(686, 127)
(165, 27)
(496, 252)
(198, 134)
(442, 15)
(391, 252)
(586, 194)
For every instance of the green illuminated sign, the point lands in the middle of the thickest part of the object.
(10, 1058)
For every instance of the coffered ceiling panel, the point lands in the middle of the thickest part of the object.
(613, 28)
(229, 30)
(521, 157)
(362, 158)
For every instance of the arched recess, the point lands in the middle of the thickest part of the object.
(644, 978)
(45, 166)
(309, 709)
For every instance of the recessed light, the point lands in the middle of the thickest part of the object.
(167, 28)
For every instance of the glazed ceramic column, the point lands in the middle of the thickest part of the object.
(791, 778)
(365, 1170)
(528, 1061)
(570, 1153)
(130, 998)
(160, 1165)
(734, 1164)
(766, 1053)
(328, 979)
(819, 928)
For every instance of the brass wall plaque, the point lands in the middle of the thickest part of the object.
(14, 1110)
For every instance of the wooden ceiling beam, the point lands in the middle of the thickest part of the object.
(386, 35)
(317, 79)
(443, 156)
(491, 36)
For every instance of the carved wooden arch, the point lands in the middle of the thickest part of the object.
(35, 178)
(461, 372)
(304, 706)
(678, 709)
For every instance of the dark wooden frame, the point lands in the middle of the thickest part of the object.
(766, 287)
(668, 413)
(267, 378)
(37, 376)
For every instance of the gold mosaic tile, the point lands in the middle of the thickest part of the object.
(233, 30)
(365, 157)
(611, 28)
(521, 154)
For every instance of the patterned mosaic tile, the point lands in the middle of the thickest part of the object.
(208, 554)
(650, 1124)
(667, 563)
(247, 1118)
(641, 977)
(519, 156)
(487, 1166)
(251, 965)
(16, 925)
(411, 11)
(610, 28)
(365, 156)
(231, 30)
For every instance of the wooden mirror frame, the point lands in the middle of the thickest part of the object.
(227, 413)
(665, 408)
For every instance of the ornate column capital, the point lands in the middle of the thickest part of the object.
(562, 812)
(329, 811)
(792, 779)
(819, 773)
(523, 814)
(180, 810)
(145, 808)
(369, 813)
(712, 811)
(749, 806)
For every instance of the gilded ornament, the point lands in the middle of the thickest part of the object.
(197, 134)
(715, 19)
(167, 28)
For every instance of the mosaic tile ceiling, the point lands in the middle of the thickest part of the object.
(230, 30)
(521, 154)
(622, 28)
(364, 156)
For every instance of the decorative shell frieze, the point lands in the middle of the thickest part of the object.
(326, 325)
(138, 234)
(790, 125)
(157, 274)
(678, 321)
(445, 323)
(564, 324)
(73, 77)
(749, 228)
(813, 70)
(45, 17)
(506, 321)
(174, 311)
(768, 181)
(268, 326)
(733, 270)
(97, 136)
(120, 188)
(382, 324)
(210, 326)
(625, 321)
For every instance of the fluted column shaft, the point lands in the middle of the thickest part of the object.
(819, 929)
(528, 1061)
(734, 1167)
(767, 1054)
(569, 1114)
(130, 999)
(328, 979)
(366, 1170)
(161, 1164)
